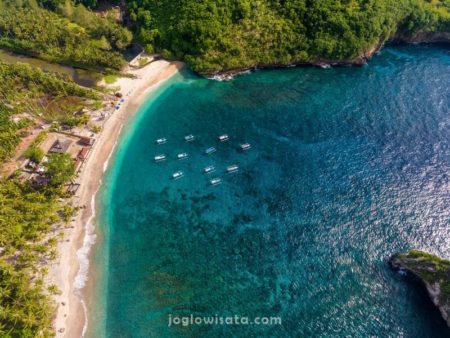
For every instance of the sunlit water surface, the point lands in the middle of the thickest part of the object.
(347, 167)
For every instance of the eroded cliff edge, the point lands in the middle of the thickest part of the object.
(432, 272)
(360, 60)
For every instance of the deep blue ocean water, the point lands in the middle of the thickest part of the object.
(347, 166)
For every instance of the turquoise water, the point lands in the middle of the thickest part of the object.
(347, 166)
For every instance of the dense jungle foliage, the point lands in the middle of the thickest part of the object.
(70, 35)
(28, 212)
(48, 96)
(216, 35)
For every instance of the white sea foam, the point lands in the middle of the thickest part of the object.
(83, 252)
(221, 78)
(228, 77)
(88, 241)
(86, 321)
(105, 165)
(83, 260)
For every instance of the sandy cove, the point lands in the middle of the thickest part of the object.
(70, 317)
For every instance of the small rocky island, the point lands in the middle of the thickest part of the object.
(432, 272)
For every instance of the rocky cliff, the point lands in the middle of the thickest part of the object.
(432, 272)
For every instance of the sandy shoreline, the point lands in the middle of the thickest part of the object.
(70, 317)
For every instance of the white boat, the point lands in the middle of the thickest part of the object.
(223, 138)
(189, 138)
(161, 140)
(178, 174)
(325, 66)
(210, 150)
(159, 158)
(245, 146)
(216, 181)
(209, 169)
(182, 156)
(232, 168)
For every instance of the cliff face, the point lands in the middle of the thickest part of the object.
(423, 37)
(431, 271)
(361, 59)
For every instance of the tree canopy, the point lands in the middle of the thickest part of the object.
(71, 34)
(60, 168)
(216, 35)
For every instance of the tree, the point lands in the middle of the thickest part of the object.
(34, 153)
(60, 168)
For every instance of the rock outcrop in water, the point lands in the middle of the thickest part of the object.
(432, 272)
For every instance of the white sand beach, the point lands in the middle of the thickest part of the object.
(70, 318)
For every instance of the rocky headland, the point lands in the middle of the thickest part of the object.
(430, 271)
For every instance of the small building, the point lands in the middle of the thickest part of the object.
(39, 180)
(60, 146)
(78, 164)
(83, 154)
(87, 141)
(72, 188)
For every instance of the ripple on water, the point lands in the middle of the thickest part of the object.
(347, 167)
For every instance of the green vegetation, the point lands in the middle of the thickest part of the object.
(29, 212)
(44, 95)
(219, 35)
(26, 218)
(143, 61)
(96, 129)
(34, 153)
(110, 79)
(8, 134)
(70, 34)
(27, 215)
(211, 36)
(60, 168)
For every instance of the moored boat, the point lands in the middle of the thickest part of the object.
(182, 156)
(161, 140)
(209, 169)
(178, 174)
(245, 146)
(210, 150)
(189, 138)
(232, 168)
(215, 181)
(223, 138)
(159, 158)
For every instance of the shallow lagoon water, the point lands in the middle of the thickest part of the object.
(347, 166)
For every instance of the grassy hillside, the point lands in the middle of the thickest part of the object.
(219, 35)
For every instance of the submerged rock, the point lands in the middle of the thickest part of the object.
(432, 272)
